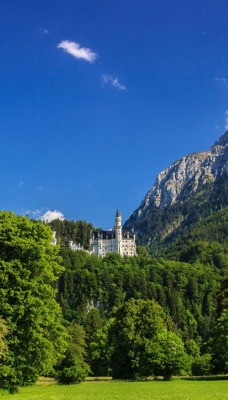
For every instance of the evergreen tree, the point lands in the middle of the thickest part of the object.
(73, 367)
(220, 344)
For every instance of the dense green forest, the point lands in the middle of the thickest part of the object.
(192, 294)
(70, 314)
(159, 227)
(77, 231)
(212, 229)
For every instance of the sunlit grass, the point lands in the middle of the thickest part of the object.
(112, 390)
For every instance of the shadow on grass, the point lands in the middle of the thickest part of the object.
(206, 378)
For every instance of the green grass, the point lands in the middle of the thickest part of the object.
(111, 390)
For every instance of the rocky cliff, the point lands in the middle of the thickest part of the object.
(189, 182)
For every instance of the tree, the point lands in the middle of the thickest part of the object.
(220, 344)
(77, 231)
(73, 368)
(29, 268)
(135, 326)
(3, 332)
(100, 351)
(165, 356)
(201, 366)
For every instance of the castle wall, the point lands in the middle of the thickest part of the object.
(116, 240)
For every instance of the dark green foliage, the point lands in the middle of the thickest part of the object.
(77, 231)
(91, 287)
(160, 306)
(135, 323)
(165, 356)
(163, 227)
(223, 293)
(187, 292)
(100, 351)
(93, 324)
(73, 368)
(3, 332)
(202, 365)
(220, 344)
(29, 268)
(211, 231)
(71, 375)
(144, 342)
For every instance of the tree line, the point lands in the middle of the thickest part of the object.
(70, 314)
(192, 294)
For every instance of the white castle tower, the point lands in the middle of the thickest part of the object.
(115, 240)
(118, 230)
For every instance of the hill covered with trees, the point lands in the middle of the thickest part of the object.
(188, 191)
(191, 293)
(70, 314)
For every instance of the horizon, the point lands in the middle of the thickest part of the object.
(97, 99)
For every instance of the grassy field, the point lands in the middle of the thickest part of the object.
(173, 390)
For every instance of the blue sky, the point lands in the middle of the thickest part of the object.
(99, 96)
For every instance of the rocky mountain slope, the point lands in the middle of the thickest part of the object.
(190, 189)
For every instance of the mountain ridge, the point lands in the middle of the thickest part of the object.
(196, 180)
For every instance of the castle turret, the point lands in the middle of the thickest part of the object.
(54, 239)
(115, 240)
(118, 229)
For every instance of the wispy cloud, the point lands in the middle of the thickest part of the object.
(34, 213)
(21, 184)
(107, 79)
(223, 81)
(43, 31)
(226, 124)
(41, 188)
(49, 216)
(76, 51)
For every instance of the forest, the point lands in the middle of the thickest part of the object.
(161, 226)
(70, 315)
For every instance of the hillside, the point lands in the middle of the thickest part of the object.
(189, 190)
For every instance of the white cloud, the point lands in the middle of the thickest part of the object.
(223, 81)
(226, 114)
(76, 51)
(44, 31)
(21, 184)
(49, 216)
(41, 188)
(32, 213)
(35, 213)
(107, 79)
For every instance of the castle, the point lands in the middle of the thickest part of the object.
(116, 240)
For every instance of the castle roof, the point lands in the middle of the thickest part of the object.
(111, 234)
(104, 234)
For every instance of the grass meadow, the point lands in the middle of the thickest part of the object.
(120, 390)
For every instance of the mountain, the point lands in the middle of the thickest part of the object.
(190, 189)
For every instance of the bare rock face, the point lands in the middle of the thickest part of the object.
(186, 175)
(188, 190)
